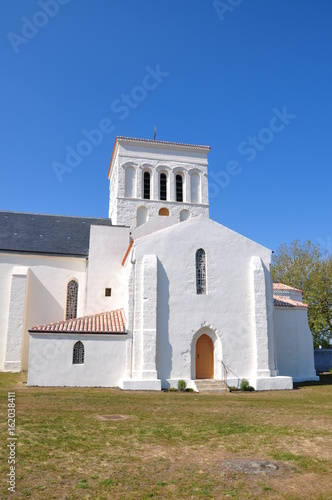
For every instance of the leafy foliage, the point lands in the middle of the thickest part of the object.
(233, 388)
(303, 266)
(182, 385)
(245, 386)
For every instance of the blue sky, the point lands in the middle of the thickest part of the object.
(253, 80)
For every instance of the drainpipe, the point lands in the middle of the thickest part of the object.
(86, 283)
(133, 262)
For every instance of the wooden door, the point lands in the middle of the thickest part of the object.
(204, 357)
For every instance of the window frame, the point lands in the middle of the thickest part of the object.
(71, 300)
(201, 280)
(163, 188)
(179, 188)
(78, 353)
(146, 190)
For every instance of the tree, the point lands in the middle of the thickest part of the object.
(303, 266)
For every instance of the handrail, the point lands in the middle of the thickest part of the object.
(225, 370)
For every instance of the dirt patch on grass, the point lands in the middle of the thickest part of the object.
(114, 417)
(251, 466)
(316, 447)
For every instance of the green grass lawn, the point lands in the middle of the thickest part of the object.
(172, 445)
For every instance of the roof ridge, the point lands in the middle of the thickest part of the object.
(113, 321)
(54, 215)
(282, 286)
(288, 302)
(137, 139)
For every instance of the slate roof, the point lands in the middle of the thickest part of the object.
(110, 322)
(46, 234)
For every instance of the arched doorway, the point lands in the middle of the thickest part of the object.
(204, 357)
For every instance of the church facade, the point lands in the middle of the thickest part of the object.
(156, 293)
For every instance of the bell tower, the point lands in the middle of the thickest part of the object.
(151, 178)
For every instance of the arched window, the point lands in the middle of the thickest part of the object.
(179, 187)
(72, 293)
(146, 187)
(195, 188)
(78, 353)
(164, 211)
(142, 216)
(130, 182)
(200, 272)
(163, 187)
(184, 215)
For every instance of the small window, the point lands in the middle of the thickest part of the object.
(179, 187)
(200, 272)
(108, 292)
(147, 182)
(71, 306)
(164, 211)
(184, 215)
(78, 353)
(163, 187)
(142, 216)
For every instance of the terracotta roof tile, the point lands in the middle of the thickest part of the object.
(111, 322)
(281, 286)
(287, 302)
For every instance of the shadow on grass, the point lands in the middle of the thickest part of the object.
(325, 379)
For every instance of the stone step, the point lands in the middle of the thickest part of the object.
(211, 385)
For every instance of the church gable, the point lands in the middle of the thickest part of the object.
(199, 230)
(205, 277)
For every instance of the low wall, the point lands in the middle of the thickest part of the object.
(323, 360)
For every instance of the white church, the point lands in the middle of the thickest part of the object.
(156, 293)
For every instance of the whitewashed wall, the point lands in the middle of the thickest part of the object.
(294, 343)
(108, 246)
(51, 360)
(128, 210)
(45, 294)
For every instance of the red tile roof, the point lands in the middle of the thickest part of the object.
(111, 322)
(281, 286)
(287, 302)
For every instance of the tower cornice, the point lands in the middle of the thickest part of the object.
(153, 144)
